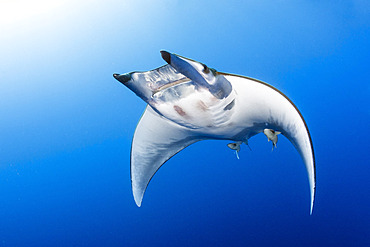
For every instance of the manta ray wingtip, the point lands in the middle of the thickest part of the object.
(138, 193)
(138, 201)
(312, 200)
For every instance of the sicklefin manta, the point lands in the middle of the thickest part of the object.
(189, 102)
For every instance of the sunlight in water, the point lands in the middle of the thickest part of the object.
(14, 11)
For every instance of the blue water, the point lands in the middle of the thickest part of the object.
(66, 125)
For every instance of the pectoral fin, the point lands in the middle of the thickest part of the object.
(155, 141)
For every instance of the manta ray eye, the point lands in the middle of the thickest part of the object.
(205, 69)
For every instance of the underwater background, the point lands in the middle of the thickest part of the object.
(66, 124)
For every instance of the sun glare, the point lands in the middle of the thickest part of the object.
(13, 11)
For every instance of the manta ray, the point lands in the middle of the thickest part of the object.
(187, 102)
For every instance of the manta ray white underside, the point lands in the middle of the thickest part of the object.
(189, 102)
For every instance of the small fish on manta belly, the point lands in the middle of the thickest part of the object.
(190, 102)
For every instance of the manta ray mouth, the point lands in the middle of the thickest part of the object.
(171, 84)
